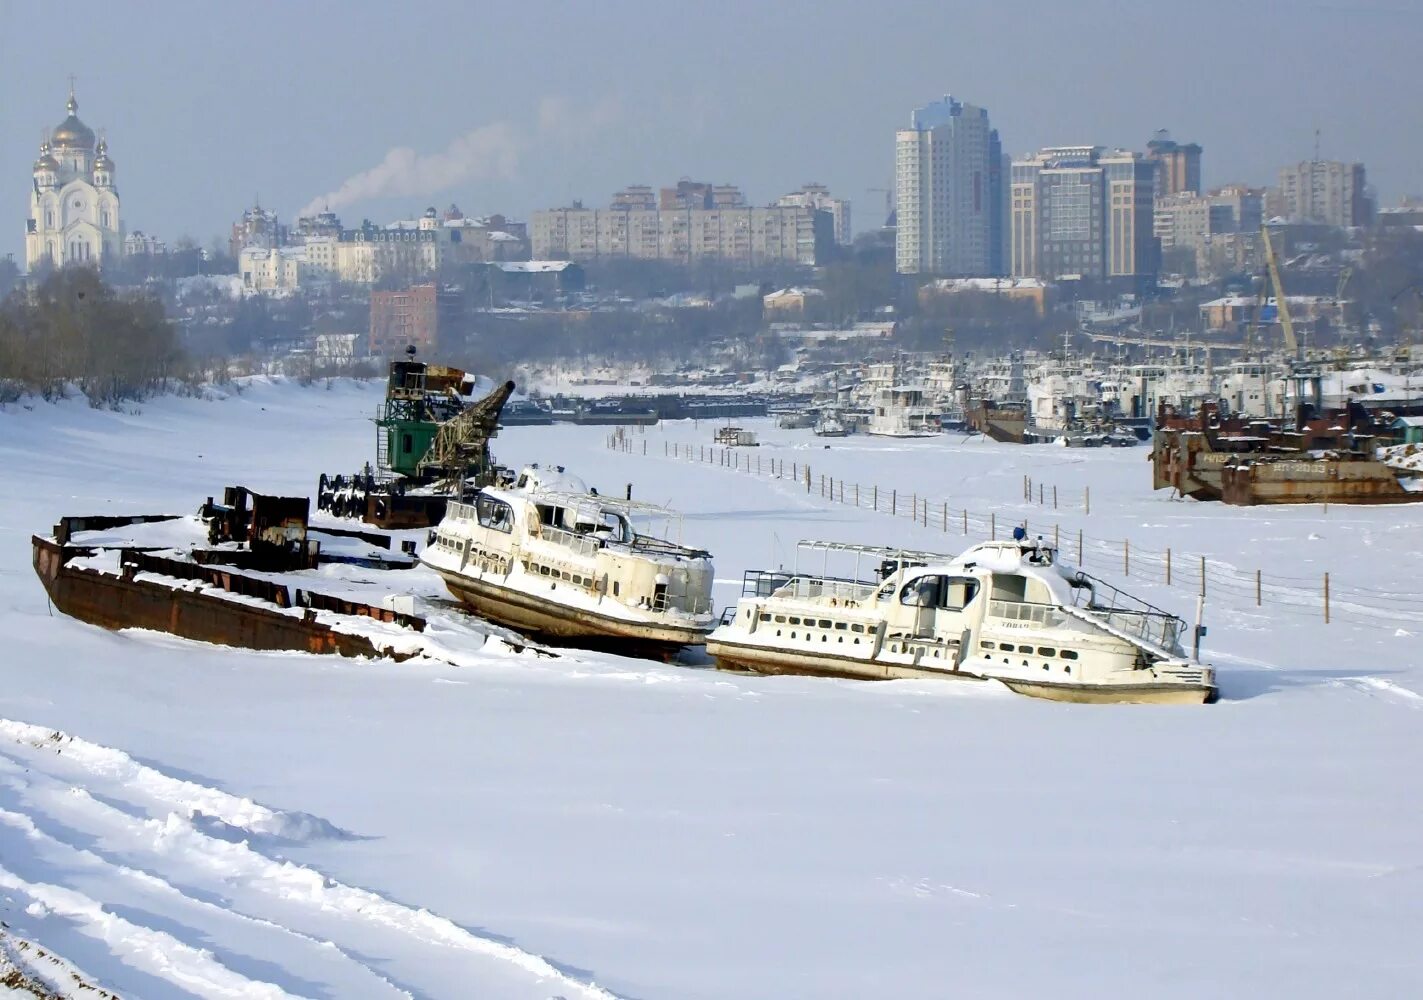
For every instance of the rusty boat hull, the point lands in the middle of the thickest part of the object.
(567, 625)
(126, 601)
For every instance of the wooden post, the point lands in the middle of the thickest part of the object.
(644, 446)
(1126, 557)
(965, 520)
(1079, 546)
(875, 488)
(1087, 499)
(1057, 536)
(946, 517)
(1040, 494)
(1054, 496)
(807, 477)
(993, 526)
(1027, 488)
(925, 521)
(857, 494)
(1203, 576)
(1168, 567)
(1257, 588)
(1326, 598)
(894, 502)
(794, 473)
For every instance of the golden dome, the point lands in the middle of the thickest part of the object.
(46, 160)
(72, 133)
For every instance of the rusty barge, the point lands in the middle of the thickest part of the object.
(243, 574)
(1241, 461)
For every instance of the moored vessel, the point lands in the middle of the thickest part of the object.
(550, 557)
(1003, 610)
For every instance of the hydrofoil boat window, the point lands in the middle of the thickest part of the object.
(494, 514)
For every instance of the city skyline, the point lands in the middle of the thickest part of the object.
(290, 105)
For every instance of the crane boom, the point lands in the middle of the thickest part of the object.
(1286, 324)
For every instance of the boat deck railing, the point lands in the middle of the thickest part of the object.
(821, 588)
(1042, 615)
(582, 545)
(1156, 628)
(1131, 615)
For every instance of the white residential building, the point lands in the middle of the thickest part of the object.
(949, 187)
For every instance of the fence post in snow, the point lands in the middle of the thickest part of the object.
(1257, 588)
(875, 495)
(1168, 567)
(965, 520)
(1203, 576)
(1126, 557)
(1054, 497)
(993, 526)
(1079, 546)
(1057, 536)
(1040, 494)
(807, 478)
(1326, 598)
(894, 502)
(946, 517)
(1086, 499)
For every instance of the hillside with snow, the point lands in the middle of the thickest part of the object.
(184, 820)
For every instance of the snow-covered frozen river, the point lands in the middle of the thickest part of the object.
(224, 823)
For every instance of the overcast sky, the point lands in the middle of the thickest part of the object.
(384, 108)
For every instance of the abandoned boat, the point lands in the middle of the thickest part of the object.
(244, 573)
(1003, 610)
(550, 557)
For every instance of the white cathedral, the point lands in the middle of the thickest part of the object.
(74, 206)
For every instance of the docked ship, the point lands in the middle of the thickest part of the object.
(1003, 610)
(902, 411)
(552, 558)
(1246, 461)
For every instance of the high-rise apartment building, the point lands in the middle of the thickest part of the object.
(949, 188)
(1081, 212)
(1178, 165)
(817, 196)
(1323, 191)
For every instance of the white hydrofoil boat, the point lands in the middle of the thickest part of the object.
(1006, 611)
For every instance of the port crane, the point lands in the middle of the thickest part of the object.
(1282, 307)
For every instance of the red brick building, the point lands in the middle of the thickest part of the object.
(405, 317)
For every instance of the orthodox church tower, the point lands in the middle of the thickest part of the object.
(74, 206)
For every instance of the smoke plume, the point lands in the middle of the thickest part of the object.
(487, 152)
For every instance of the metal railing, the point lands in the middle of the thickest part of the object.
(583, 545)
(461, 511)
(812, 588)
(1156, 628)
(1042, 615)
(1119, 610)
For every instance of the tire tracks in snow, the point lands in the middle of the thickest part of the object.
(167, 847)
